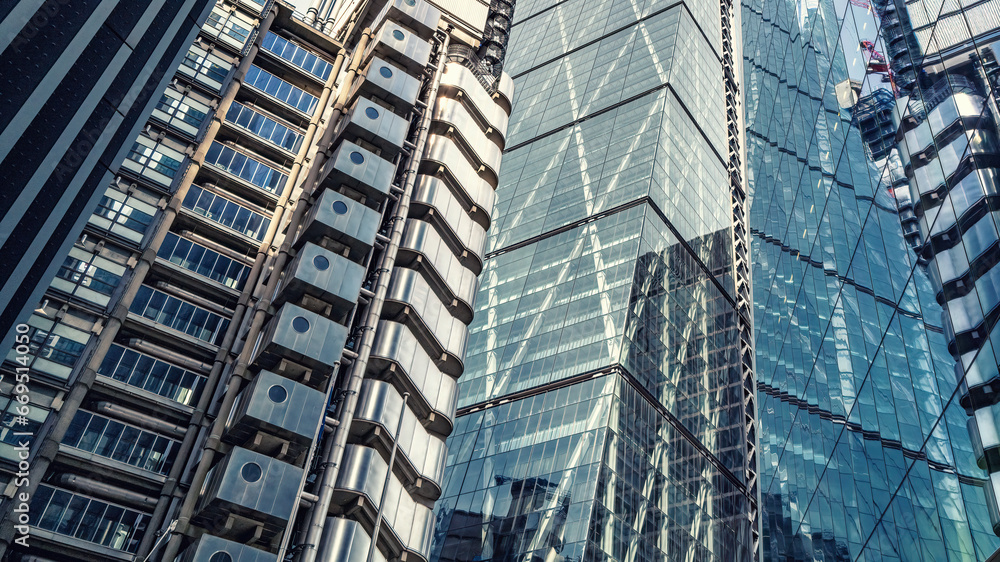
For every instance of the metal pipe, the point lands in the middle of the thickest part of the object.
(192, 298)
(214, 438)
(106, 491)
(168, 355)
(145, 421)
(388, 476)
(334, 453)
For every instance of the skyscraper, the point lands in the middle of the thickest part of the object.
(602, 414)
(79, 80)
(251, 350)
(864, 450)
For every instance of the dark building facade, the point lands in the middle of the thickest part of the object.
(79, 80)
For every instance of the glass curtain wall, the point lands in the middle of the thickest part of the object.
(601, 414)
(864, 449)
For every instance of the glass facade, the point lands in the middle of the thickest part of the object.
(864, 452)
(601, 416)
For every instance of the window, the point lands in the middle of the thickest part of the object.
(206, 68)
(88, 276)
(230, 27)
(203, 261)
(12, 420)
(151, 374)
(246, 167)
(124, 215)
(121, 442)
(76, 515)
(281, 90)
(181, 112)
(296, 55)
(264, 127)
(54, 346)
(179, 315)
(153, 160)
(227, 213)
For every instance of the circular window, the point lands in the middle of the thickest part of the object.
(277, 394)
(340, 207)
(397, 35)
(321, 263)
(300, 324)
(251, 472)
(371, 112)
(357, 157)
(410, 2)
(220, 557)
(385, 71)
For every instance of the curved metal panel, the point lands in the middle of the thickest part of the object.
(364, 472)
(455, 114)
(432, 196)
(404, 48)
(442, 152)
(396, 346)
(381, 403)
(428, 314)
(344, 540)
(458, 81)
(429, 253)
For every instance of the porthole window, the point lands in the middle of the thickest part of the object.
(410, 2)
(251, 472)
(300, 324)
(340, 207)
(357, 157)
(385, 71)
(397, 35)
(321, 263)
(371, 112)
(220, 557)
(277, 394)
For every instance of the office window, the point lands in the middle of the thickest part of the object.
(227, 213)
(54, 347)
(179, 315)
(181, 111)
(231, 28)
(121, 442)
(296, 55)
(264, 127)
(76, 515)
(123, 214)
(203, 261)
(246, 167)
(281, 90)
(208, 69)
(151, 374)
(88, 276)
